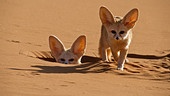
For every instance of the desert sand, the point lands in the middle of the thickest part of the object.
(27, 68)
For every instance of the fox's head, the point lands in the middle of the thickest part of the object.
(70, 56)
(118, 27)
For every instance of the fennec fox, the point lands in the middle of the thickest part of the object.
(116, 35)
(70, 56)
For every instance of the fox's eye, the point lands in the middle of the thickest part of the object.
(113, 31)
(62, 59)
(121, 32)
(71, 59)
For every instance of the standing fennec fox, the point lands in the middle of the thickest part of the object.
(116, 35)
(70, 56)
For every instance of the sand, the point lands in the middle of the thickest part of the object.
(27, 69)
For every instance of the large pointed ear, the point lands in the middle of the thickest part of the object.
(130, 18)
(106, 16)
(56, 46)
(78, 47)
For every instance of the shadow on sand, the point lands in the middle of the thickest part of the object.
(94, 65)
(46, 56)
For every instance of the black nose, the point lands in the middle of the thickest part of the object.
(117, 38)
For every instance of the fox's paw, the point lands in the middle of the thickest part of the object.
(120, 68)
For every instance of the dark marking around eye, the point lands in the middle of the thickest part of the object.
(71, 59)
(121, 32)
(62, 59)
(113, 31)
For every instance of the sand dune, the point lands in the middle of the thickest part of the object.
(27, 68)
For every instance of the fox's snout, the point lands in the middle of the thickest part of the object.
(117, 38)
(66, 63)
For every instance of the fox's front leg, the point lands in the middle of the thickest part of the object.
(104, 55)
(122, 58)
(115, 54)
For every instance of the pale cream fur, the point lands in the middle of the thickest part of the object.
(116, 35)
(67, 56)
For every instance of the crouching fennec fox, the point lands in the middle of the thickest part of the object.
(70, 56)
(116, 35)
